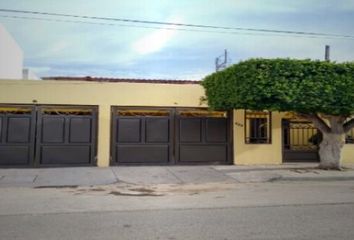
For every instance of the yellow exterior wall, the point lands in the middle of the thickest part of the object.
(104, 135)
(105, 95)
(102, 94)
(248, 154)
(348, 154)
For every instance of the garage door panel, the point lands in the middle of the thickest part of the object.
(157, 130)
(129, 130)
(143, 154)
(47, 135)
(141, 135)
(66, 135)
(18, 129)
(216, 130)
(203, 136)
(14, 155)
(80, 130)
(65, 155)
(190, 130)
(184, 136)
(53, 130)
(202, 153)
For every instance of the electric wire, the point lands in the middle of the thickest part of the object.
(179, 24)
(163, 28)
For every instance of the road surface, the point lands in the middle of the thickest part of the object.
(288, 210)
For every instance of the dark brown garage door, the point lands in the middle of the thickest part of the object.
(203, 137)
(169, 136)
(17, 128)
(142, 136)
(66, 135)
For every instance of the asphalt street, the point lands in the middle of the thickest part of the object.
(301, 210)
(328, 221)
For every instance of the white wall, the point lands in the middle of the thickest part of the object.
(11, 56)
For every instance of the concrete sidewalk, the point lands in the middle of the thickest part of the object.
(150, 175)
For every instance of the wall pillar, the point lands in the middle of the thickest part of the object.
(104, 133)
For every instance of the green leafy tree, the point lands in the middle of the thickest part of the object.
(320, 91)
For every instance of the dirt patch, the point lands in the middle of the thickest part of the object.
(124, 189)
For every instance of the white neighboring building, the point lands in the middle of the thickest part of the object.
(11, 58)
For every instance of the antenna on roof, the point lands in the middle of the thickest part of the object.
(223, 64)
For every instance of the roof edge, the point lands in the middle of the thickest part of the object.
(126, 80)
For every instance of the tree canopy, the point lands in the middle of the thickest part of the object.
(303, 86)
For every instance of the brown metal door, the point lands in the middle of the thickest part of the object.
(203, 137)
(17, 132)
(300, 141)
(142, 136)
(66, 135)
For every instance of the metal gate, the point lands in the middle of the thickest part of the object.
(142, 135)
(169, 136)
(66, 135)
(203, 137)
(47, 135)
(17, 128)
(300, 141)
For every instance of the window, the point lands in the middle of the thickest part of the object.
(257, 127)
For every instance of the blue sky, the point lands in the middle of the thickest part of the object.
(72, 49)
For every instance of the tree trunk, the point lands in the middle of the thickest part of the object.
(333, 138)
(330, 150)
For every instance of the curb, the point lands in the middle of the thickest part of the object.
(299, 179)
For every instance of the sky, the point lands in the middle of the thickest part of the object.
(81, 49)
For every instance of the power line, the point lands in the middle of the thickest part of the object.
(180, 24)
(153, 27)
(129, 25)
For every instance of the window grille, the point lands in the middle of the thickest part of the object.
(257, 127)
(202, 113)
(143, 112)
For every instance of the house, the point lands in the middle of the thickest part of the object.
(106, 121)
(11, 58)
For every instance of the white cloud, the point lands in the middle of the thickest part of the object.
(156, 40)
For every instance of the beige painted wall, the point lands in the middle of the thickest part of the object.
(348, 154)
(248, 154)
(106, 95)
(102, 94)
